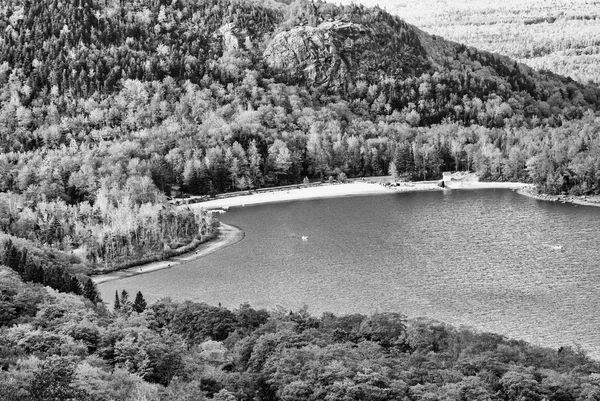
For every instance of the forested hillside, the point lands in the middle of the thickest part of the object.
(216, 96)
(109, 107)
(560, 36)
(56, 346)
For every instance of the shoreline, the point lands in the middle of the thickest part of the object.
(228, 235)
(348, 189)
(304, 193)
(320, 192)
(519, 186)
(593, 200)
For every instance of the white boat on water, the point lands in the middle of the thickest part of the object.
(555, 247)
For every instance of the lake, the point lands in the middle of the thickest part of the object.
(488, 259)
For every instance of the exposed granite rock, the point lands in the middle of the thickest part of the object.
(322, 55)
(230, 41)
(233, 37)
(329, 54)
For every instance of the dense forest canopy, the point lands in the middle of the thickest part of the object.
(108, 108)
(57, 346)
(214, 96)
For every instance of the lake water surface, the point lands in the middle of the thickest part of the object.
(483, 258)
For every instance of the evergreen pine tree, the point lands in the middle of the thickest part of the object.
(65, 282)
(75, 286)
(139, 305)
(90, 292)
(14, 258)
(124, 298)
(33, 273)
(117, 301)
(8, 245)
(22, 262)
(28, 272)
(55, 277)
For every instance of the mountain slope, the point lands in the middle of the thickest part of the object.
(84, 47)
(348, 48)
(221, 95)
(559, 36)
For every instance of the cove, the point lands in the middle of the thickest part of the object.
(488, 259)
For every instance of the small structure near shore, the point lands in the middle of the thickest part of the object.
(446, 178)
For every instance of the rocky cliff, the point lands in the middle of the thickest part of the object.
(348, 49)
(338, 53)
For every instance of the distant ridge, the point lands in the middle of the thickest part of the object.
(346, 50)
(561, 36)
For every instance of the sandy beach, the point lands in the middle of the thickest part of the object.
(228, 235)
(323, 191)
(462, 181)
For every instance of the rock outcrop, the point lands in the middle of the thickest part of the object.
(321, 55)
(329, 54)
(233, 37)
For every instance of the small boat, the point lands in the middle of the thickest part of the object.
(555, 247)
(304, 238)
